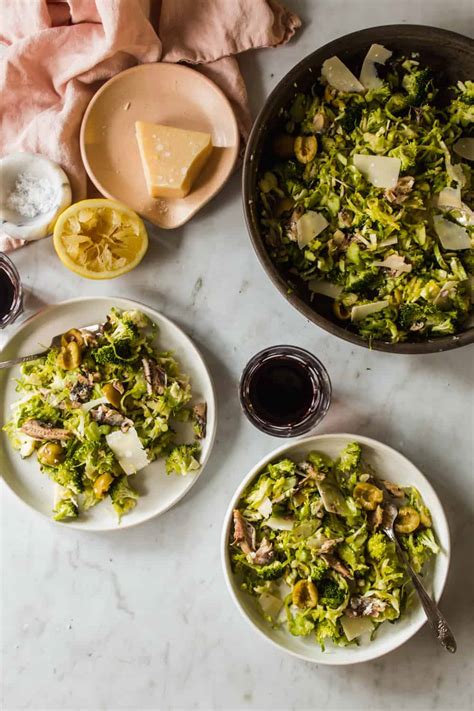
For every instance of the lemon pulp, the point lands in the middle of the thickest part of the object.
(100, 238)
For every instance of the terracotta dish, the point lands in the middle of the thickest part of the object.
(161, 93)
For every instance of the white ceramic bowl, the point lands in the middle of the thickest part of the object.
(389, 464)
(159, 491)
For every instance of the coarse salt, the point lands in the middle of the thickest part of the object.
(32, 196)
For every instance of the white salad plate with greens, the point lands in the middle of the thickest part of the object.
(387, 464)
(157, 491)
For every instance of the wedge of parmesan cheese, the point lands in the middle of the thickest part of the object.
(451, 236)
(377, 54)
(128, 449)
(360, 312)
(172, 158)
(309, 226)
(381, 171)
(339, 76)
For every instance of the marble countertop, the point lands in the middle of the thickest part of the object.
(141, 618)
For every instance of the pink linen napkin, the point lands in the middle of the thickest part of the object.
(59, 52)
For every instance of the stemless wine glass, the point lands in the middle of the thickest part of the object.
(318, 380)
(11, 292)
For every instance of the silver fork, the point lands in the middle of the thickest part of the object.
(55, 343)
(436, 620)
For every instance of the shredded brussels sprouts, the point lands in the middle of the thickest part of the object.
(308, 544)
(80, 401)
(392, 271)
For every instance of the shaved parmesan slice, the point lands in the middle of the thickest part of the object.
(377, 54)
(339, 76)
(86, 406)
(454, 170)
(388, 242)
(450, 235)
(381, 171)
(396, 263)
(58, 494)
(356, 626)
(325, 287)
(360, 312)
(449, 197)
(265, 508)
(270, 604)
(309, 226)
(278, 523)
(465, 148)
(128, 449)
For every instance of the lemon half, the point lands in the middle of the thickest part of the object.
(100, 239)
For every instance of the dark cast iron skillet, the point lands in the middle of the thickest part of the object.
(452, 58)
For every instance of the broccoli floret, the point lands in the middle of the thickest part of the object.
(396, 104)
(350, 457)
(183, 458)
(406, 153)
(420, 546)
(123, 497)
(105, 354)
(421, 316)
(418, 83)
(461, 109)
(327, 630)
(330, 594)
(66, 507)
(364, 279)
(117, 353)
(379, 547)
(123, 331)
(318, 570)
(272, 570)
(351, 117)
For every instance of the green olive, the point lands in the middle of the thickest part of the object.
(425, 518)
(283, 145)
(407, 520)
(305, 148)
(367, 496)
(102, 485)
(70, 356)
(341, 311)
(51, 454)
(72, 335)
(284, 205)
(112, 394)
(305, 594)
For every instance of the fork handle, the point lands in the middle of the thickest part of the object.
(22, 359)
(436, 619)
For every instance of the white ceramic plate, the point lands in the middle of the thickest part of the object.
(159, 492)
(389, 464)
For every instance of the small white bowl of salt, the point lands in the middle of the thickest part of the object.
(33, 192)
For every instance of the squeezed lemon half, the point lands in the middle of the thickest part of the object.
(100, 238)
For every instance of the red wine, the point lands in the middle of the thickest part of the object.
(7, 293)
(285, 391)
(11, 292)
(282, 390)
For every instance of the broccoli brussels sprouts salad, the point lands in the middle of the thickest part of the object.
(308, 543)
(102, 407)
(367, 197)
